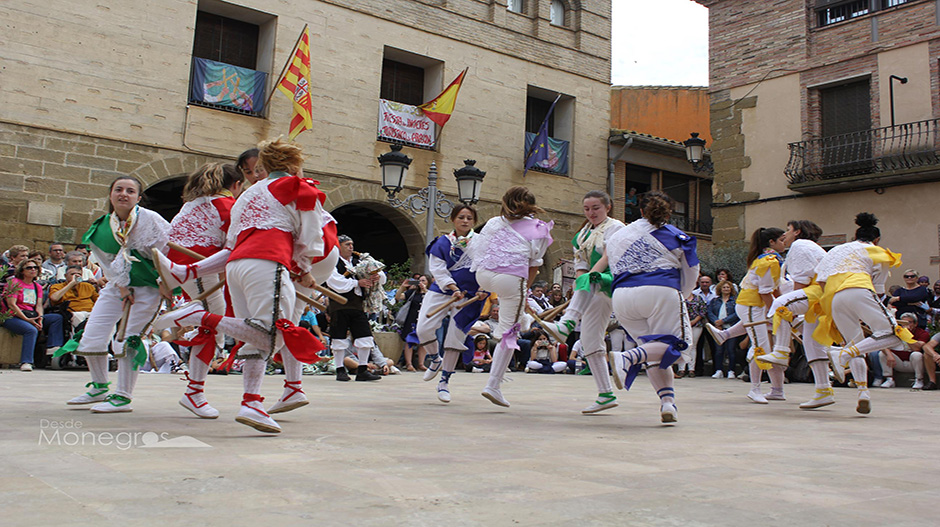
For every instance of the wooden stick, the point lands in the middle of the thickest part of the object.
(442, 307)
(468, 302)
(544, 324)
(551, 313)
(122, 324)
(312, 302)
(329, 293)
(205, 294)
(188, 252)
(752, 324)
(159, 268)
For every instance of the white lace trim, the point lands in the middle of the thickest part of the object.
(851, 257)
(632, 249)
(257, 208)
(802, 259)
(150, 231)
(497, 246)
(198, 224)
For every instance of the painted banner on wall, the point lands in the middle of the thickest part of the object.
(227, 85)
(553, 159)
(405, 123)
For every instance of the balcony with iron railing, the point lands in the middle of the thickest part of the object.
(892, 155)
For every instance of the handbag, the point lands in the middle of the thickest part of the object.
(402, 314)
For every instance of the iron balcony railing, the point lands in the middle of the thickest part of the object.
(692, 226)
(880, 151)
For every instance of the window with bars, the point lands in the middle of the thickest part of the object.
(402, 82)
(227, 40)
(830, 12)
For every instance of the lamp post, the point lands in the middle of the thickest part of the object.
(695, 152)
(394, 169)
(891, 79)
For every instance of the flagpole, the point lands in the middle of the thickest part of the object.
(528, 154)
(290, 59)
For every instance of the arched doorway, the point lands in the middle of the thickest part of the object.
(165, 197)
(382, 231)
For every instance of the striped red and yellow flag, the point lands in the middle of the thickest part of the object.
(441, 107)
(296, 85)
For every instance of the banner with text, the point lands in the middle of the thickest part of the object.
(405, 123)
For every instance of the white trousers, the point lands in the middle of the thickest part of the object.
(108, 310)
(688, 356)
(652, 310)
(851, 305)
(798, 304)
(251, 285)
(426, 328)
(760, 333)
(511, 292)
(594, 322)
(913, 365)
(78, 317)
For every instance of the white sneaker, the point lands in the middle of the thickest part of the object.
(443, 392)
(668, 413)
(252, 414)
(26, 367)
(114, 403)
(888, 383)
(393, 370)
(718, 375)
(495, 396)
(877, 383)
(480, 370)
(731, 375)
(838, 359)
(433, 369)
(757, 397)
(918, 384)
(864, 403)
(292, 399)
(776, 357)
(715, 333)
(619, 368)
(188, 315)
(597, 406)
(824, 397)
(96, 394)
(775, 396)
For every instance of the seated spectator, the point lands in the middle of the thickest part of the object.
(721, 314)
(23, 297)
(931, 361)
(76, 258)
(544, 355)
(55, 264)
(378, 364)
(556, 296)
(80, 295)
(537, 300)
(45, 275)
(16, 254)
(162, 357)
(310, 322)
(911, 298)
(907, 359)
(481, 356)
(933, 303)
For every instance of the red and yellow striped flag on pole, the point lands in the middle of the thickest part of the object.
(296, 84)
(439, 108)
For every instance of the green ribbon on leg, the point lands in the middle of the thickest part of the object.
(69, 347)
(136, 345)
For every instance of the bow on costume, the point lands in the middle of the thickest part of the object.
(782, 313)
(204, 341)
(674, 350)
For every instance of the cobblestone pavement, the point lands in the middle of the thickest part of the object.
(388, 453)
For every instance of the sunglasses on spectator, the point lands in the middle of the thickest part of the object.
(28, 267)
(910, 276)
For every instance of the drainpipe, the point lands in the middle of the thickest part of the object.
(613, 161)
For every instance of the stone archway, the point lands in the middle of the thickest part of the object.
(165, 197)
(382, 231)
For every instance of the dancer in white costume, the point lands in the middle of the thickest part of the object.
(851, 276)
(276, 224)
(758, 290)
(800, 267)
(122, 242)
(452, 281)
(506, 256)
(201, 226)
(655, 267)
(591, 303)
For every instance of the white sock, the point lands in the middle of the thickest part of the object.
(450, 360)
(661, 380)
(776, 378)
(198, 370)
(98, 367)
(363, 354)
(127, 377)
(253, 375)
(755, 372)
(736, 330)
(432, 349)
(238, 329)
(820, 373)
(293, 368)
(214, 264)
(598, 364)
(501, 358)
(859, 373)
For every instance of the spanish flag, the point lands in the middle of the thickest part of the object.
(296, 85)
(440, 108)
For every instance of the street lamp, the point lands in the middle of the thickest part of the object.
(891, 79)
(394, 168)
(695, 152)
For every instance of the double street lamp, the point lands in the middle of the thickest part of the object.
(395, 165)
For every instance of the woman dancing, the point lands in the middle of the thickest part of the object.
(802, 257)
(201, 226)
(276, 223)
(506, 256)
(591, 303)
(851, 276)
(655, 267)
(122, 242)
(453, 280)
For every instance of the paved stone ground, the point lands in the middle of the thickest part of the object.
(388, 453)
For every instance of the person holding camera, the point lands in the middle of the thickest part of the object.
(79, 295)
(411, 292)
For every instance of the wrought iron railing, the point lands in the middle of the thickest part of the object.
(878, 151)
(692, 226)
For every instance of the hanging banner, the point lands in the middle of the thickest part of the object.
(552, 159)
(227, 85)
(405, 123)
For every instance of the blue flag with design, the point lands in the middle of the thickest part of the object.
(539, 151)
(226, 85)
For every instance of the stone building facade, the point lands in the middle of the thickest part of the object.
(93, 90)
(801, 116)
